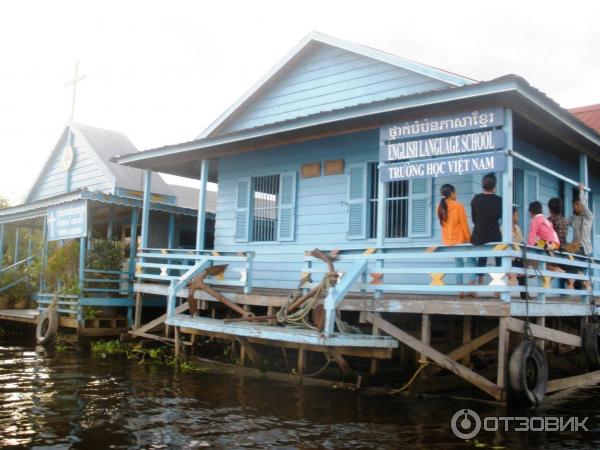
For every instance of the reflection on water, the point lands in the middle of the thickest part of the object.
(75, 401)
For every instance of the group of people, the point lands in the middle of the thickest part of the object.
(549, 233)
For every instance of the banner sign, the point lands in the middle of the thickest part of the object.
(468, 164)
(449, 124)
(478, 141)
(67, 221)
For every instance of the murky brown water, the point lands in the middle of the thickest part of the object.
(76, 401)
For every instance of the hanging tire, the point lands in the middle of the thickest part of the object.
(528, 373)
(47, 327)
(590, 343)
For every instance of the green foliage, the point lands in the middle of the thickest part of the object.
(63, 268)
(110, 348)
(4, 203)
(89, 312)
(105, 255)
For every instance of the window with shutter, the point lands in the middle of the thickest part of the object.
(420, 208)
(242, 210)
(357, 199)
(287, 206)
(531, 193)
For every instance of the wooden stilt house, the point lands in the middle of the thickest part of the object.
(344, 148)
(82, 199)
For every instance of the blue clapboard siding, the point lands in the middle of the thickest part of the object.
(325, 78)
(85, 172)
(321, 204)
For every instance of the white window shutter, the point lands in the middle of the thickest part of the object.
(242, 210)
(287, 206)
(357, 201)
(532, 193)
(419, 208)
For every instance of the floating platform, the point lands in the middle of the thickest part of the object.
(28, 316)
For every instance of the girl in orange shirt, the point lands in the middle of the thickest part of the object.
(453, 218)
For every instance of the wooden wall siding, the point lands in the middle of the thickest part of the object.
(326, 78)
(85, 173)
(321, 204)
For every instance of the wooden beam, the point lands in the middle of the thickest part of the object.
(301, 361)
(466, 337)
(585, 379)
(477, 380)
(137, 320)
(251, 351)
(549, 334)
(341, 362)
(160, 320)
(469, 347)
(503, 345)
(425, 333)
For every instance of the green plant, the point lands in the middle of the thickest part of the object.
(89, 312)
(63, 269)
(110, 348)
(105, 255)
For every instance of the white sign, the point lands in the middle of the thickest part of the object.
(67, 221)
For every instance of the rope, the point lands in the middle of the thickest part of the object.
(299, 316)
(412, 378)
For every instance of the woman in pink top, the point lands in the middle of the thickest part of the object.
(541, 232)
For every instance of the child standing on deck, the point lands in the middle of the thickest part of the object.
(453, 220)
(486, 212)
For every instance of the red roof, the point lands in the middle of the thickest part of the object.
(590, 115)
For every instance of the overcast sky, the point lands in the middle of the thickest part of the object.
(162, 71)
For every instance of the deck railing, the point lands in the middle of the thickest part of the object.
(167, 265)
(452, 270)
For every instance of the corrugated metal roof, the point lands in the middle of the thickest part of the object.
(590, 115)
(187, 197)
(109, 143)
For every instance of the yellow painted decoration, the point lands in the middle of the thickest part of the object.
(370, 251)
(215, 253)
(547, 281)
(431, 249)
(163, 251)
(437, 279)
(500, 247)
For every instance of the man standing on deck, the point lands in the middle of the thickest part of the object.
(581, 221)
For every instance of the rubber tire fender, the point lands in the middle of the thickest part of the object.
(528, 352)
(46, 334)
(590, 343)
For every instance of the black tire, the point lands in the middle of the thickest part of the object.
(590, 342)
(47, 327)
(528, 373)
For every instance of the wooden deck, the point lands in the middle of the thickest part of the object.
(28, 316)
(404, 303)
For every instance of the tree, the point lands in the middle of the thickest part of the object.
(4, 203)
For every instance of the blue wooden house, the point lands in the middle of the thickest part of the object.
(81, 195)
(344, 148)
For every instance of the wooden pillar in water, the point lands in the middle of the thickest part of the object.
(503, 344)
(466, 337)
(425, 333)
(301, 361)
(82, 252)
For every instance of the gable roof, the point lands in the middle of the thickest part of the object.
(102, 145)
(444, 77)
(590, 115)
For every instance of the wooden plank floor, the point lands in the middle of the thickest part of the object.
(403, 303)
(19, 315)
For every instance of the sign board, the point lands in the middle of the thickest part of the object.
(450, 124)
(431, 168)
(478, 141)
(67, 221)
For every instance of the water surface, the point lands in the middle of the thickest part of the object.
(73, 400)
